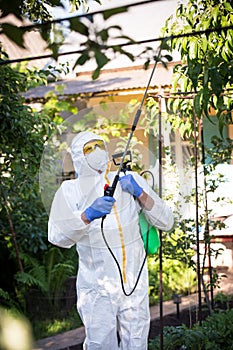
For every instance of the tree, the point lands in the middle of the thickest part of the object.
(23, 134)
(98, 44)
(38, 13)
(38, 10)
(22, 140)
(202, 33)
(207, 58)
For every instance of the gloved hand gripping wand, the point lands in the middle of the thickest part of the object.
(109, 190)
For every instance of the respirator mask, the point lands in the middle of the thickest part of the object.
(96, 155)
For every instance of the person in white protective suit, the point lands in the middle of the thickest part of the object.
(112, 320)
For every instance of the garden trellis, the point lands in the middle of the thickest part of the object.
(198, 153)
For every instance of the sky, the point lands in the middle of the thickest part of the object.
(139, 22)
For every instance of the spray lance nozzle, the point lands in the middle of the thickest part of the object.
(122, 167)
(126, 163)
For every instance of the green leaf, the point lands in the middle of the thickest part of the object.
(125, 37)
(114, 27)
(54, 47)
(14, 33)
(82, 60)
(168, 57)
(197, 103)
(45, 32)
(184, 43)
(103, 34)
(96, 74)
(228, 6)
(109, 13)
(215, 13)
(128, 54)
(56, 3)
(165, 45)
(185, 83)
(203, 45)
(78, 26)
(222, 124)
(205, 100)
(194, 72)
(193, 49)
(101, 59)
(206, 75)
(146, 64)
(216, 81)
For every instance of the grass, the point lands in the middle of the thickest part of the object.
(49, 327)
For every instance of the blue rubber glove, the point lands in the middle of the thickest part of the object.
(100, 207)
(128, 184)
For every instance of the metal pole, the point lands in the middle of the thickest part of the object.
(197, 217)
(207, 231)
(160, 232)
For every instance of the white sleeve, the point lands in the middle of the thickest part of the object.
(160, 215)
(65, 226)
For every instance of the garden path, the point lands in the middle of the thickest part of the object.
(73, 340)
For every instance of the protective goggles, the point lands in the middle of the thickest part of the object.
(91, 146)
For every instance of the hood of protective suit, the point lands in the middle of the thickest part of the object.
(81, 166)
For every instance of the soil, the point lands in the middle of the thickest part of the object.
(190, 317)
(186, 317)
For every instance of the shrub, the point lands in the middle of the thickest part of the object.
(215, 333)
(177, 278)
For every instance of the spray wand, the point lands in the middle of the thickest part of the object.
(109, 190)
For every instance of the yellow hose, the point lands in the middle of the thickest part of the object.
(119, 229)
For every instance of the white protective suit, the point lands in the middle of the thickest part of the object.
(101, 303)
